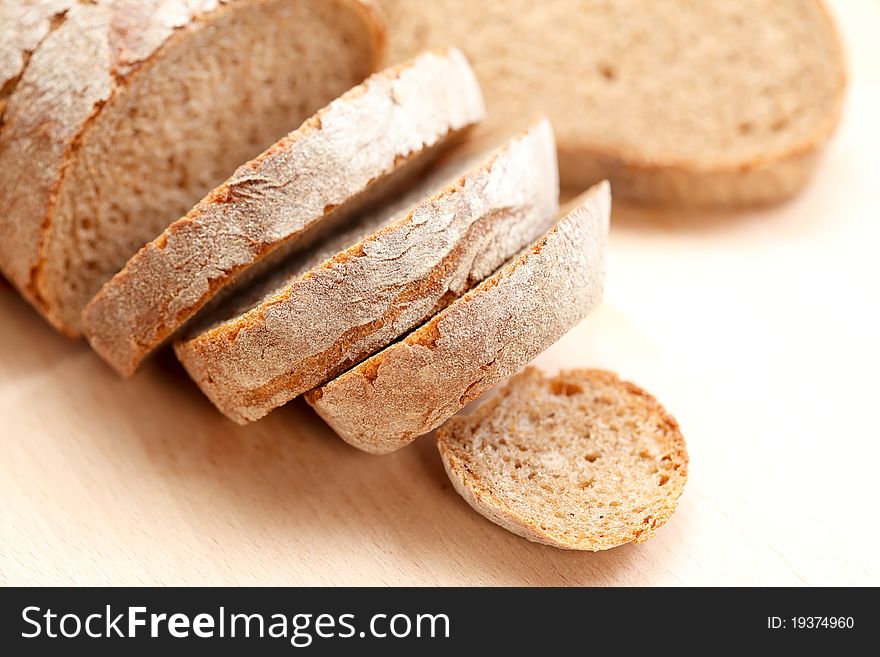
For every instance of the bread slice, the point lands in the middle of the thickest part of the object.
(25, 23)
(414, 385)
(317, 317)
(676, 102)
(360, 145)
(129, 112)
(581, 460)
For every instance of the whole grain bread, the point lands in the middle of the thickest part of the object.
(677, 102)
(316, 318)
(580, 461)
(130, 111)
(367, 143)
(414, 385)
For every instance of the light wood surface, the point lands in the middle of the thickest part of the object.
(759, 331)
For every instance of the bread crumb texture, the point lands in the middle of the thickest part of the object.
(680, 102)
(581, 460)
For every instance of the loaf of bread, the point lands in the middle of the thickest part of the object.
(676, 102)
(368, 143)
(314, 319)
(414, 385)
(124, 114)
(581, 460)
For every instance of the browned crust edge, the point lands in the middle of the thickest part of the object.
(377, 438)
(194, 351)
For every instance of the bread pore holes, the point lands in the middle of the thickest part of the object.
(779, 125)
(584, 484)
(607, 71)
(565, 388)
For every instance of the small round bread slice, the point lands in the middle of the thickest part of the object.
(124, 113)
(365, 144)
(315, 318)
(580, 460)
(680, 102)
(414, 385)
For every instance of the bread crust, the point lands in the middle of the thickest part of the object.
(414, 385)
(452, 443)
(277, 199)
(33, 20)
(342, 311)
(680, 185)
(107, 44)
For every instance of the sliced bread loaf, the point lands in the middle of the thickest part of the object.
(129, 112)
(679, 102)
(364, 144)
(581, 460)
(320, 315)
(414, 385)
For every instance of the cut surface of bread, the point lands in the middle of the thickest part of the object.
(167, 99)
(414, 385)
(678, 102)
(580, 460)
(323, 313)
(368, 142)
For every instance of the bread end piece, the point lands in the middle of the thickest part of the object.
(580, 461)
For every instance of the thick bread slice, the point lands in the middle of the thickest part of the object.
(316, 319)
(581, 460)
(414, 385)
(678, 102)
(23, 26)
(130, 111)
(369, 138)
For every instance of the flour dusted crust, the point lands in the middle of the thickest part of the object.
(316, 172)
(23, 26)
(107, 43)
(414, 385)
(343, 310)
(43, 95)
(677, 102)
(580, 461)
(51, 108)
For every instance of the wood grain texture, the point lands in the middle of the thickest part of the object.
(757, 331)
